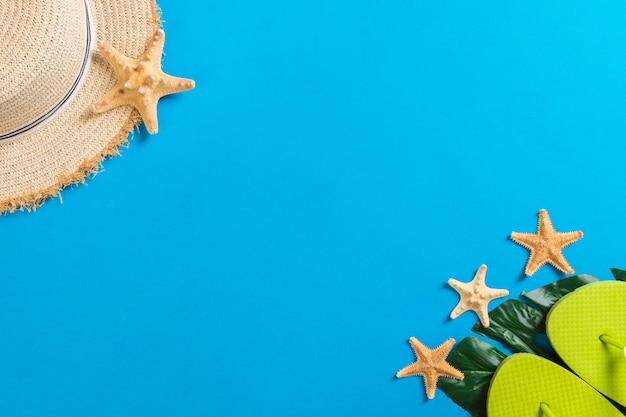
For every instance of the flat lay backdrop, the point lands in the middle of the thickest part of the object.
(294, 222)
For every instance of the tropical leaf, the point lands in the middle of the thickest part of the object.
(619, 274)
(515, 324)
(478, 361)
(545, 297)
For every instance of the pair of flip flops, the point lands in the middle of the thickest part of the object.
(587, 329)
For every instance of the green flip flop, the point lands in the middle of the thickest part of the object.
(526, 385)
(587, 328)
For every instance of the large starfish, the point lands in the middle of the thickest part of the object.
(140, 82)
(431, 364)
(546, 245)
(475, 296)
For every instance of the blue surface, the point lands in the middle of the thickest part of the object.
(295, 220)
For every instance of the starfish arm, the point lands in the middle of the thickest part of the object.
(171, 85)
(118, 62)
(483, 316)
(420, 350)
(566, 239)
(527, 240)
(148, 112)
(560, 263)
(155, 49)
(441, 351)
(544, 224)
(493, 293)
(431, 376)
(479, 277)
(462, 289)
(458, 286)
(410, 370)
(430, 382)
(535, 261)
(458, 310)
(450, 371)
(109, 101)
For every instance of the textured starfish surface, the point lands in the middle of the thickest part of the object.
(431, 364)
(475, 296)
(140, 82)
(546, 245)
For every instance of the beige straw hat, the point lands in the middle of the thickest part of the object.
(76, 76)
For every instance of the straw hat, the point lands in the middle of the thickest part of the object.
(60, 114)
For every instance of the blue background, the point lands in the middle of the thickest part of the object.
(294, 222)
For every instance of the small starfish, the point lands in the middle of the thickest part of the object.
(546, 245)
(140, 82)
(475, 296)
(431, 364)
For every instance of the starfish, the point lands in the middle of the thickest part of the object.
(475, 296)
(431, 364)
(140, 82)
(546, 245)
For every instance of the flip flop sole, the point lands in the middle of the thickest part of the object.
(523, 382)
(574, 326)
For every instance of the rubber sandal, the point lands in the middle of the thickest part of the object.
(587, 329)
(526, 385)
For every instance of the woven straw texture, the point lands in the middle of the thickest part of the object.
(523, 381)
(574, 326)
(72, 146)
(33, 79)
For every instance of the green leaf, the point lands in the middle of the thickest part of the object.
(545, 297)
(478, 361)
(515, 323)
(619, 274)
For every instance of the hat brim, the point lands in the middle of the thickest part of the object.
(73, 145)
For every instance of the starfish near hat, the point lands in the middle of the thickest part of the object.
(64, 106)
(140, 82)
